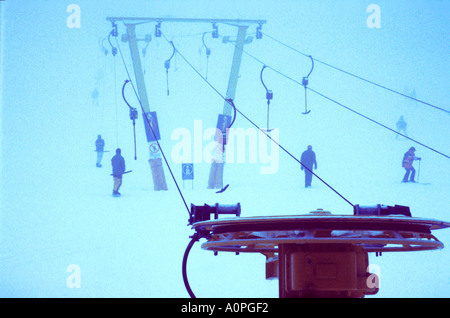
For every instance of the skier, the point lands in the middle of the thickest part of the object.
(118, 168)
(99, 145)
(308, 160)
(401, 126)
(407, 163)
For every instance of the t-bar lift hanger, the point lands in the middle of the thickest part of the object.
(305, 83)
(269, 96)
(167, 66)
(133, 116)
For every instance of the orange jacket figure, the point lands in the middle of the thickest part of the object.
(407, 163)
(408, 160)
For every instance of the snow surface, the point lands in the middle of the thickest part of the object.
(57, 209)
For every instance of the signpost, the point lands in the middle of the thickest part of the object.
(187, 172)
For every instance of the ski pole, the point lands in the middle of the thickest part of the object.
(418, 173)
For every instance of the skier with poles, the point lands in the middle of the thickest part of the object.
(407, 163)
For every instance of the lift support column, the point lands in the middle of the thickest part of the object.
(217, 166)
(155, 160)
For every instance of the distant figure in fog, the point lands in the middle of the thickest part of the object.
(401, 126)
(99, 146)
(308, 160)
(407, 163)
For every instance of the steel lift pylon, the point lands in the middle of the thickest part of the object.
(217, 166)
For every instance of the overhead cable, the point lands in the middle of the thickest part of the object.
(255, 125)
(346, 107)
(358, 77)
(376, 122)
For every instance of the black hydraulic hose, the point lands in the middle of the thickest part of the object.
(185, 257)
(230, 101)
(173, 51)
(123, 94)
(312, 66)
(260, 77)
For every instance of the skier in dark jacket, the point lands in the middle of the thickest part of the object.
(99, 146)
(407, 163)
(308, 160)
(118, 168)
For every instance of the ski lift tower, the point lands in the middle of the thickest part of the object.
(317, 254)
(216, 172)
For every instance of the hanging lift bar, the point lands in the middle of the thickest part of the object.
(269, 96)
(167, 66)
(208, 53)
(305, 84)
(133, 115)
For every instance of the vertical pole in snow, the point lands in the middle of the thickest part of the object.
(137, 66)
(216, 171)
(234, 74)
(155, 160)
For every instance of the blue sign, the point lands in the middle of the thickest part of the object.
(187, 171)
(223, 122)
(150, 119)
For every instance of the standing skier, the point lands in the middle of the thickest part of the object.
(118, 168)
(308, 160)
(99, 145)
(407, 163)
